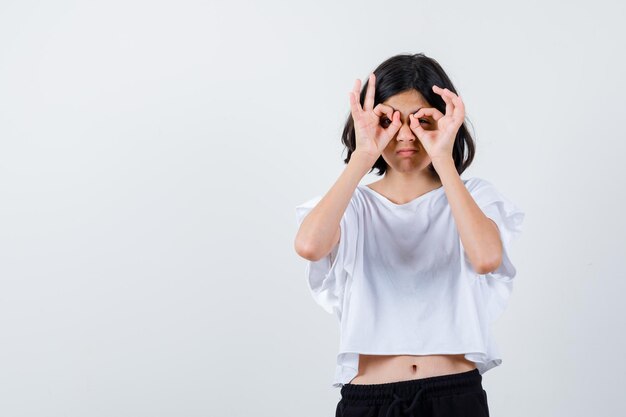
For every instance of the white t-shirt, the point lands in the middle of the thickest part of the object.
(400, 283)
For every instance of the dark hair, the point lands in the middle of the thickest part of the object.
(419, 72)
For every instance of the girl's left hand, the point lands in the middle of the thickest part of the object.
(438, 142)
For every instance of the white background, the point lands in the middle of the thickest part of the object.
(152, 154)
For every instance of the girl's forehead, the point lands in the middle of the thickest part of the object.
(409, 101)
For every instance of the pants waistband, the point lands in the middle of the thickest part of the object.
(372, 394)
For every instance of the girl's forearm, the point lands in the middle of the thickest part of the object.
(317, 234)
(479, 234)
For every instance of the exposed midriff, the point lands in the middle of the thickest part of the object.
(379, 369)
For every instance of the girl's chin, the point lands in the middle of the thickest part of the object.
(410, 167)
(413, 162)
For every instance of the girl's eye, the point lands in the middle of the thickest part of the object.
(386, 122)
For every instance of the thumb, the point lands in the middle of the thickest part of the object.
(415, 126)
(395, 125)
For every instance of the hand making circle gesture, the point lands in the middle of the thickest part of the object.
(371, 137)
(439, 142)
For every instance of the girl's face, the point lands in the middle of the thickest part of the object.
(407, 102)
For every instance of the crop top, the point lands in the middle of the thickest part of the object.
(400, 283)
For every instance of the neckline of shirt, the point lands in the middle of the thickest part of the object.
(392, 204)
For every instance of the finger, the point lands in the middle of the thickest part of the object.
(447, 96)
(356, 90)
(445, 91)
(355, 108)
(428, 111)
(381, 109)
(449, 105)
(355, 104)
(459, 108)
(369, 94)
(416, 128)
(458, 112)
(394, 127)
(394, 116)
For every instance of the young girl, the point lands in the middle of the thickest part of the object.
(416, 265)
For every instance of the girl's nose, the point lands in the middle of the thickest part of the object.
(405, 132)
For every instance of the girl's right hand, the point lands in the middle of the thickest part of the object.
(371, 137)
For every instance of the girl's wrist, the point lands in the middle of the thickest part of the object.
(361, 162)
(363, 158)
(442, 160)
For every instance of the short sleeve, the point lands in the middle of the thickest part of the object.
(498, 284)
(327, 277)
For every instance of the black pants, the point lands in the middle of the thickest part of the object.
(452, 395)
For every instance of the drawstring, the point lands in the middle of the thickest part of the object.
(376, 396)
(399, 400)
(395, 408)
